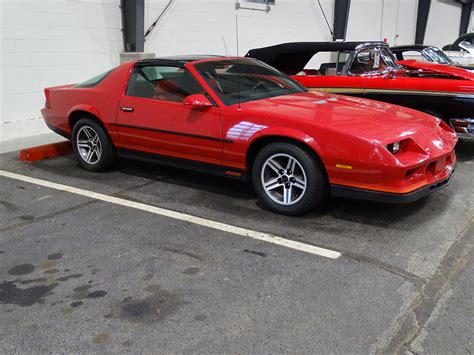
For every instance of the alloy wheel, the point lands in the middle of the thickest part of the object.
(283, 179)
(89, 145)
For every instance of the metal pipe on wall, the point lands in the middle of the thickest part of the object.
(133, 23)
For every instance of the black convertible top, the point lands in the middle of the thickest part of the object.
(292, 57)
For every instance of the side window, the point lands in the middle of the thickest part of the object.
(342, 58)
(468, 39)
(95, 80)
(163, 83)
(326, 63)
(367, 61)
(399, 55)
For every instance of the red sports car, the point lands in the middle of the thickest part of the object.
(370, 70)
(240, 118)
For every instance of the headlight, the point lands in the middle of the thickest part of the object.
(393, 147)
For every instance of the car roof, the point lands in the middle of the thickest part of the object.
(466, 35)
(293, 56)
(179, 61)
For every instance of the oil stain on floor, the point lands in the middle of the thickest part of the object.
(13, 292)
(156, 306)
(23, 269)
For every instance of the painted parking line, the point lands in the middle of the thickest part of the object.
(307, 248)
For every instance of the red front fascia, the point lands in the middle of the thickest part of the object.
(423, 159)
(395, 179)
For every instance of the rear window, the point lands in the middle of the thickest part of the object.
(95, 80)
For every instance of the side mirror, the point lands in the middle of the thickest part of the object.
(197, 101)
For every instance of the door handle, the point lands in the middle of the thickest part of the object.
(127, 109)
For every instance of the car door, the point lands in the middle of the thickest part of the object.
(153, 119)
(338, 84)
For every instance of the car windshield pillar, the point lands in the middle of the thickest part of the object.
(371, 60)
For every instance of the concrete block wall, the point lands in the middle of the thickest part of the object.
(208, 26)
(394, 20)
(439, 30)
(47, 43)
(202, 26)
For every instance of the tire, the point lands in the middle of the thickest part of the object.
(289, 192)
(89, 137)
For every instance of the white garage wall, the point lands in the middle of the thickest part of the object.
(52, 42)
(202, 26)
(47, 43)
(438, 30)
(393, 20)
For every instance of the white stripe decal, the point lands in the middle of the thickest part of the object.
(180, 216)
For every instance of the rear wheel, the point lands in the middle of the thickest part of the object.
(288, 180)
(92, 146)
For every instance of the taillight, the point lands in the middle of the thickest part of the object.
(47, 103)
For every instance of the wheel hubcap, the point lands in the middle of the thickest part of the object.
(88, 145)
(283, 179)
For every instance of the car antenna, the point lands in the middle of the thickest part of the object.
(225, 47)
(237, 41)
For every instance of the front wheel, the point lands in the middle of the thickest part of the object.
(92, 146)
(288, 179)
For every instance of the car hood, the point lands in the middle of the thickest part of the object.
(367, 119)
(427, 67)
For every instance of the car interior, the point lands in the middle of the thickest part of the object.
(326, 68)
(165, 85)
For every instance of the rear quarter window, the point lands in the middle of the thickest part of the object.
(95, 80)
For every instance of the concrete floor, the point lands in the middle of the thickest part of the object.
(82, 275)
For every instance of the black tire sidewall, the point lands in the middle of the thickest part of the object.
(316, 188)
(108, 151)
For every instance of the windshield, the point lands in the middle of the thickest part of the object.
(372, 61)
(437, 56)
(248, 79)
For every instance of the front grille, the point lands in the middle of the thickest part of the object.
(433, 169)
(439, 185)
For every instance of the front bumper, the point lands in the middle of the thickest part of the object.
(378, 196)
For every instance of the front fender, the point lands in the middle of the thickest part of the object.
(290, 133)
